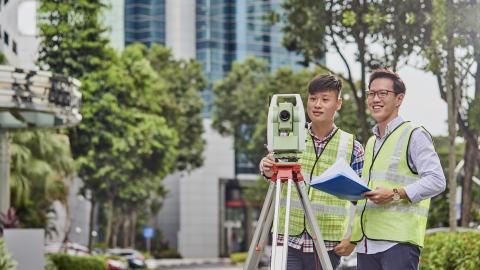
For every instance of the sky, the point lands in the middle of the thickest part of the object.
(422, 103)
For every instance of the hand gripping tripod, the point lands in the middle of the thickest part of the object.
(283, 172)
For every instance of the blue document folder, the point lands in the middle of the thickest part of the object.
(341, 181)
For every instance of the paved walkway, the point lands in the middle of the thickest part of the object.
(193, 263)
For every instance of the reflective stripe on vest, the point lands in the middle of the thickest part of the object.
(395, 221)
(331, 213)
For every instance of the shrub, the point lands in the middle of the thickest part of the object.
(448, 250)
(69, 262)
(6, 260)
(238, 257)
(169, 253)
(49, 265)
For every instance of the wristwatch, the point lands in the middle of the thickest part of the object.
(396, 195)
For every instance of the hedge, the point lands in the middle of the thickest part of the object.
(448, 250)
(69, 262)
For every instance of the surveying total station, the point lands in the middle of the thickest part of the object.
(286, 140)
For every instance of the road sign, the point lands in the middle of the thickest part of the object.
(148, 232)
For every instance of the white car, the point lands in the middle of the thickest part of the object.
(135, 259)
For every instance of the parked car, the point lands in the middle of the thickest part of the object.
(113, 264)
(134, 258)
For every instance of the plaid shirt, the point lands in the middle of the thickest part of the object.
(305, 241)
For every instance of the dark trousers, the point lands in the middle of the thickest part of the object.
(399, 257)
(298, 260)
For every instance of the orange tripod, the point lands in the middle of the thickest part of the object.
(283, 173)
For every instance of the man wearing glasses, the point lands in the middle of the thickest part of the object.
(404, 172)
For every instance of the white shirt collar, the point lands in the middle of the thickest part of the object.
(390, 127)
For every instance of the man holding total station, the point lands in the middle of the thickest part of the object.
(404, 172)
(325, 143)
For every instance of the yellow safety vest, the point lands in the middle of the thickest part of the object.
(331, 213)
(400, 221)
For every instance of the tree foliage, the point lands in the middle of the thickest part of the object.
(72, 37)
(41, 170)
(311, 27)
(452, 54)
(242, 100)
(183, 80)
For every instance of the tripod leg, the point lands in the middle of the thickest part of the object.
(317, 237)
(275, 225)
(287, 223)
(261, 231)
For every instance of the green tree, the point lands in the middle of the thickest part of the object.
(310, 27)
(41, 170)
(239, 101)
(174, 80)
(128, 138)
(183, 81)
(372, 27)
(452, 54)
(72, 37)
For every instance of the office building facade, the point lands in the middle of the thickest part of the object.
(19, 40)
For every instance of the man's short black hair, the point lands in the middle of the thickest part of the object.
(398, 85)
(323, 83)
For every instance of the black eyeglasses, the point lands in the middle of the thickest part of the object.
(379, 93)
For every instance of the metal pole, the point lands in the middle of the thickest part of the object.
(148, 246)
(4, 171)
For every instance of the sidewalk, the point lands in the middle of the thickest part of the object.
(192, 263)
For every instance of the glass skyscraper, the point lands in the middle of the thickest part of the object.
(230, 30)
(145, 21)
(225, 31)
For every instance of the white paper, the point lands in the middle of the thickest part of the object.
(339, 167)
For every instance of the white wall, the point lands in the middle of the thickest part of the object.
(180, 28)
(23, 30)
(168, 219)
(114, 18)
(200, 199)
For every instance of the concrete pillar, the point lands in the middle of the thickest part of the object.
(4, 171)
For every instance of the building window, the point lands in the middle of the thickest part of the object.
(5, 37)
(14, 47)
(5, 2)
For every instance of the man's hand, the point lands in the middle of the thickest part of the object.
(345, 248)
(380, 195)
(266, 164)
